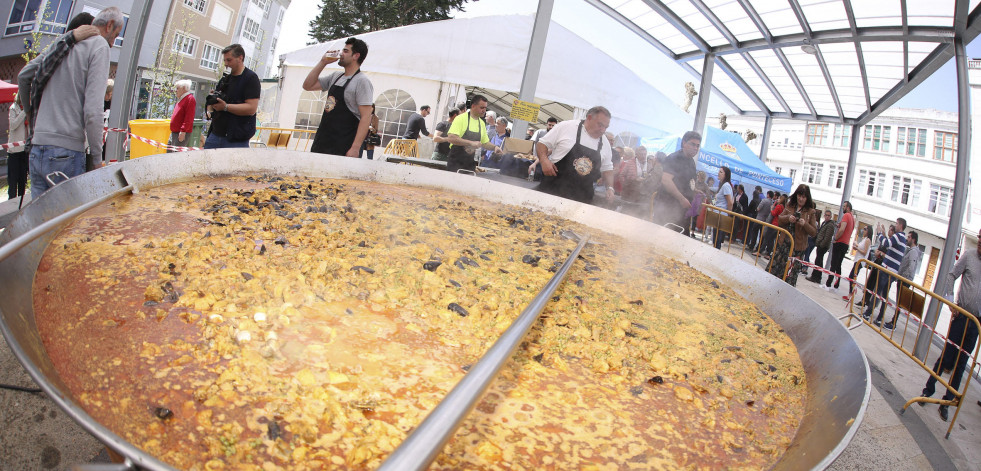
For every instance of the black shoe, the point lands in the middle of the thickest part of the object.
(943, 413)
(888, 326)
(814, 279)
(878, 323)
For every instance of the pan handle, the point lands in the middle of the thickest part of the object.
(126, 465)
(422, 446)
(56, 174)
(15, 244)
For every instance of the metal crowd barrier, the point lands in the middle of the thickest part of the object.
(724, 220)
(911, 300)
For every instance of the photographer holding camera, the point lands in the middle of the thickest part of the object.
(233, 103)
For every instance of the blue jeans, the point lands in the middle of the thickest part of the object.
(48, 159)
(215, 141)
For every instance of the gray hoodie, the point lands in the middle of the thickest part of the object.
(72, 105)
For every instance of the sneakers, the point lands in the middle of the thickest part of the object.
(888, 326)
(814, 279)
(943, 413)
(878, 323)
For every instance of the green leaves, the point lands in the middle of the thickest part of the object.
(344, 18)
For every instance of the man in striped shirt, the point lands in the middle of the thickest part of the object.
(893, 249)
(963, 331)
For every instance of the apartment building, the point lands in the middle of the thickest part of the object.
(196, 31)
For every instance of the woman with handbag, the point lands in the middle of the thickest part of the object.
(372, 139)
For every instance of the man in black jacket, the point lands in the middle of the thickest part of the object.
(236, 99)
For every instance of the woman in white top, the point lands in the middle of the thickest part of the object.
(723, 199)
(862, 244)
(17, 155)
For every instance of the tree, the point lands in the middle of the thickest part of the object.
(344, 18)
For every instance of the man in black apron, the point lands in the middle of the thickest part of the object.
(466, 134)
(573, 156)
(347, 110)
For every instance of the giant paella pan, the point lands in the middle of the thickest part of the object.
(261, 309)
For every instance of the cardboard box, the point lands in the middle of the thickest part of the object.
(516, 146)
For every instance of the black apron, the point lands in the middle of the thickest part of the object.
(338, 125)
(459, 157)
(577, 172)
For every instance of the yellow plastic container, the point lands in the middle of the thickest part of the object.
(154, 129)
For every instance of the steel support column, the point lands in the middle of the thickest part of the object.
(960, 196)
(765, 143)
(533, 63)
(704, 90)
(846, 191)
(127, 78)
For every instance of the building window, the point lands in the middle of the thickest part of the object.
(793, 174)
(250, 30)
(904, 191)
(812, 173)
(842, 136)
(945, 146)
(871, 183)
(940, 198)
(393, 109)
(210, 57)
(816, 134)
(836, 176)
(778, 170)
(25, 17)
(911, 141)
(272, 46)
(876, 138)
(280, 20)
(268, 4)
(199, 6)
(220, 17)
(184, 44)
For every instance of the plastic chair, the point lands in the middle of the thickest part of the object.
(402, 148)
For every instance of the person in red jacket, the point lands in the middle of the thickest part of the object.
(182, 121)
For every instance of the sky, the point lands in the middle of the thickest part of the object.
(938, 91)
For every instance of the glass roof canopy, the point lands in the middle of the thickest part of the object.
(842, 61)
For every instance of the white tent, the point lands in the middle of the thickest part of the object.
(434, 62)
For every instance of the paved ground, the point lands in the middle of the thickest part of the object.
(37, 435)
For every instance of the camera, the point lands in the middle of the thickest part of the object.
(213, 98)
(797, 215)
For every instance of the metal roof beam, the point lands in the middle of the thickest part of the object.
(719, 25)
(797, 83)
(861, 55)
(867, 34)
(903, 12)
(757, 20)
(936, 59)
(799, 13)
(630, 25)
(742, 84)
(766, 80)
(799, 117)
(674, 20)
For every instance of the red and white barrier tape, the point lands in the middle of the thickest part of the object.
(105, 131)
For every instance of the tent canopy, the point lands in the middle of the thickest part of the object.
(726, 149)
(490, 52)
(7, 91)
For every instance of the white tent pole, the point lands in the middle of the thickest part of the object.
(704, 89)
(960, 196)
(533, 63)
(129, 58)
(846, 191)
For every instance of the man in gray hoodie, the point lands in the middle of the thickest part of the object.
(76, 89)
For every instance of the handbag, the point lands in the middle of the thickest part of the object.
(373, 139)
